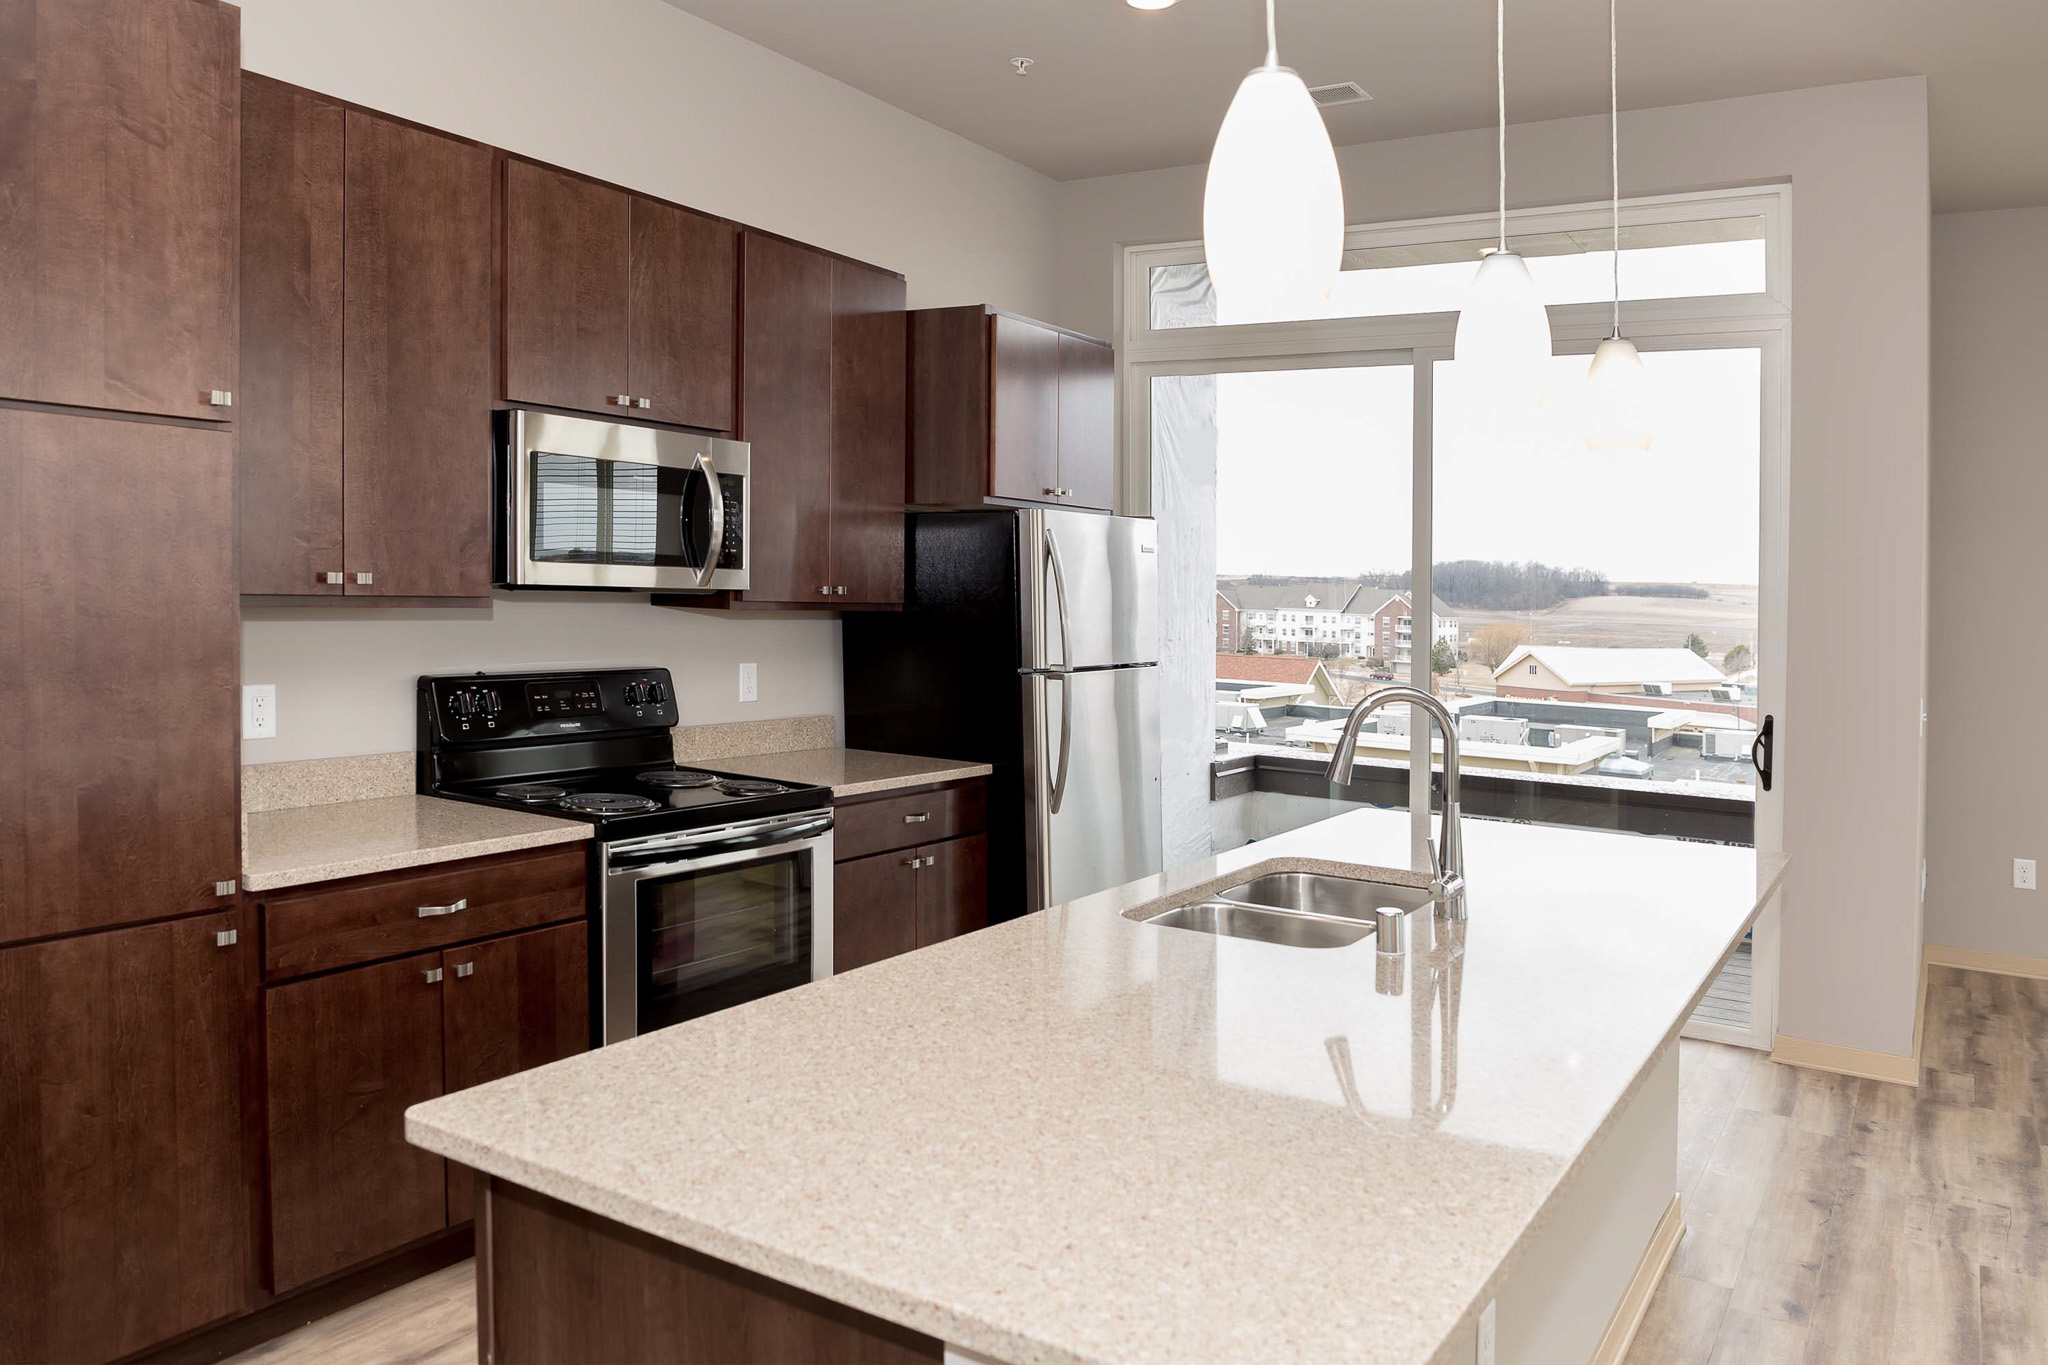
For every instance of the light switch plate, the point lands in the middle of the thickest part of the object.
(750, 683)
(259, 710)
(2023, 878)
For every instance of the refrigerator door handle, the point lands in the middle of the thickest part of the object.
(1059, 777)
(1059, 592)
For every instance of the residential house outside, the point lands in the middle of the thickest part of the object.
(1393, 626)
(1274, 678)
(1227, 641)
(1331, 618)
(1664, 678)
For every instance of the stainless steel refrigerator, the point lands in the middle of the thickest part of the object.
(1029, 640)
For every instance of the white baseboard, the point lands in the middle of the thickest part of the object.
(1977, 960)
(1628, 1314)
(1847, 1061)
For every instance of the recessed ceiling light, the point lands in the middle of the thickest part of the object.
(1150, 4)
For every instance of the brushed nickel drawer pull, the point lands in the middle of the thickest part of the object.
(331, 576)
(465, 969)
(220, 398)
(432, 975)
(643, 402)
(917, 817)
(428, 911)
(226, 938)
(226, 888)
(620, 400)
(365, 579)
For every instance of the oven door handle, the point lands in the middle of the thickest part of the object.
(694, 847)
(714, 492)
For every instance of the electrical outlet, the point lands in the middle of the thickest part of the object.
(259, 711)
(2023, 878)
(1486, 1333)
(750, 683)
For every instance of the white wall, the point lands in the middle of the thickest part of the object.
(1986, 804)
(641, 93)
(1856, 156)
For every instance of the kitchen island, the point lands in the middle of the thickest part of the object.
(1080, 1137)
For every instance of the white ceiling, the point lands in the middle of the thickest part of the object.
(1116, 89)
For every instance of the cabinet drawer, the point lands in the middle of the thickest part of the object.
(383, 917)
(876, 826)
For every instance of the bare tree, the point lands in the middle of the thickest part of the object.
(1492, 643)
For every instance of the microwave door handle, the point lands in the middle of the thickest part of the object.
(716, 494)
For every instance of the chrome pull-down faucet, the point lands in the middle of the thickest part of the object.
(1447, 852)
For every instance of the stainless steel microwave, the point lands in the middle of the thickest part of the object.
(590, 504)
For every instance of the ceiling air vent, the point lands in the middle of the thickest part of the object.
(1344, 92)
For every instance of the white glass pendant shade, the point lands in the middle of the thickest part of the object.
(1619, 404)
(1504, 332)
(1273, 209)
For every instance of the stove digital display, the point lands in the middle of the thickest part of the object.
(546, 701)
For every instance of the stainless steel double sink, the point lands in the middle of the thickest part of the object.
(1296, 909)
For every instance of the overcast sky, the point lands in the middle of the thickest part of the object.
(1313, 474)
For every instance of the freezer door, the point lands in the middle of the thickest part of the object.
(1091, 589)
(1091, 781)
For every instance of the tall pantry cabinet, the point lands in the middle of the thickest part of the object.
(123, 965)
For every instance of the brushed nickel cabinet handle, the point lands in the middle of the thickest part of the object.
(226, 938)
(911, 862)
(643, 402)
(429, 911)
(332, 576)
(917, 817)
(620, 400)
(226, 888)
(432, 975)
(465, 969)
(1050, 492)
(825, 589)
(220, 398)
(840, 591)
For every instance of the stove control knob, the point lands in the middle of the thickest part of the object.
(491, 703)
(656, 693)
(464, 704)
(636, 693)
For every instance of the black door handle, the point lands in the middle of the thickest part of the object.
(1760, 752)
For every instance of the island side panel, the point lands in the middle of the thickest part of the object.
(558, 1285)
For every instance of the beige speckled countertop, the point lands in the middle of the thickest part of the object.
(851, 772)
(1077, 1137)
(301, 844)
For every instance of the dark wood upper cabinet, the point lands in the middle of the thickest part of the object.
(289, 525)
(1087, 423)
(118, 172)
(615, 302)
(124, 1215)
(119, 671)
(416, 371)
(786, 417)
(510, 1004)
(1007, 410)
(868, 338)
(567, 274)
(682, 314)
(348, 1054)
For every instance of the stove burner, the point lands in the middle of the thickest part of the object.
(749, 786)
(533, 793)
(678, 778)
(608, 803)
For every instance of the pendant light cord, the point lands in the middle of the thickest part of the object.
(1614, 149)
(1500, 81)
(1272, 40)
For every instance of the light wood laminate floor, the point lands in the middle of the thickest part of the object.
(1828, 1219)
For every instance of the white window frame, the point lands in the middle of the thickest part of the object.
(1762, 321)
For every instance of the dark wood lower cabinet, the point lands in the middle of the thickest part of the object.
(894, 895)
(123, 1199)
(510, 1004)
(952, 889)
(347, 1055)
(874, 908)
(558, 1285)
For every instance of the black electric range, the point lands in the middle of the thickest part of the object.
(707, 889)
(591, 746)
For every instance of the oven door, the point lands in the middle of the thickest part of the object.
(701, 922)
(590, 504)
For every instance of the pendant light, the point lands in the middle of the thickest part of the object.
(1503, 331)
(1273, 208)
(1618, 406)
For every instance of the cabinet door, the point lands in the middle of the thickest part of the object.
(119, 668)
(682, 315)
(510, 1004)
(347, 1054)
(786, 415)
(874, 908)
(124, 1209)
(1023, 461)
(289, 525)
(1087, 423)
(867, 434)
(416, 372)
(567, 246)
(117, 170)
(952, 889)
